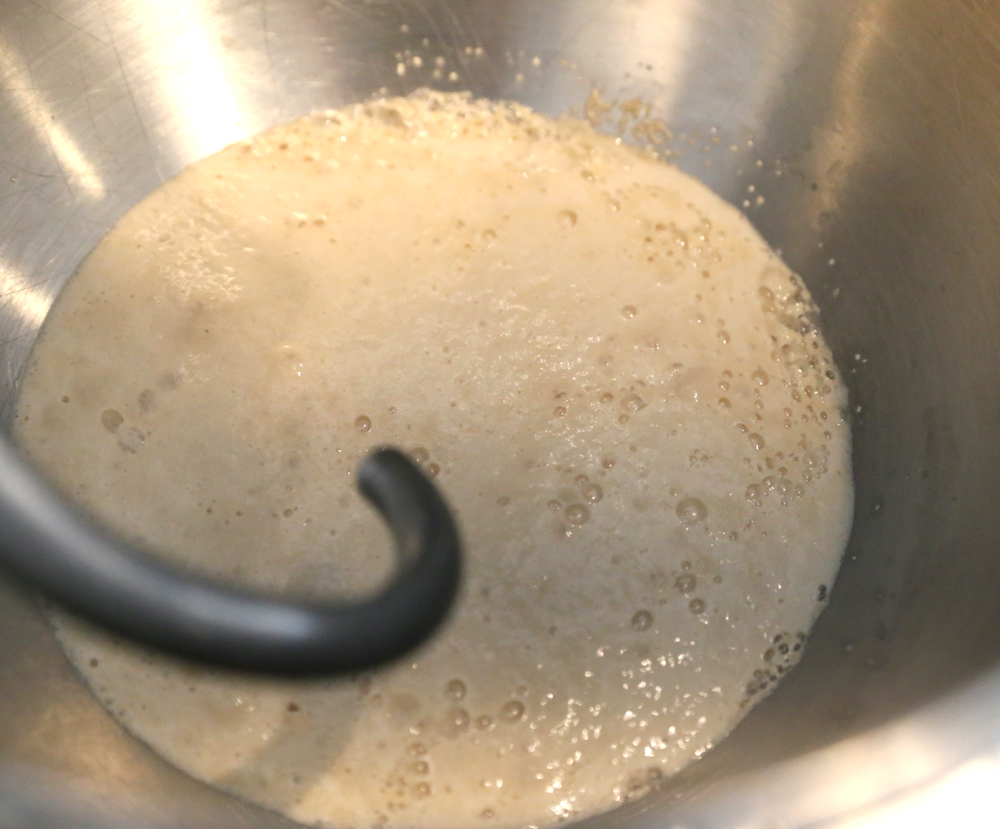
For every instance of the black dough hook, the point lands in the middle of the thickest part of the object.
(52, 546)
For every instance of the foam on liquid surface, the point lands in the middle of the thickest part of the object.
(613, 379)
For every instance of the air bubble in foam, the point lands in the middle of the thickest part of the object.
(642, 620)
(512, 712)
(691, 511)
(455, 689)
(686, 582)
(633, 403)
(111, 419)
(455, 721)
(567, 218)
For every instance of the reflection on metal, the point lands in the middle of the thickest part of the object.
(662, 35)
(195, 86)
(838, 144)
(77, 170)
(969, 796)
(27, 302)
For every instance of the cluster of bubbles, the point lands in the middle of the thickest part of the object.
(782, 654)
(686, 583)
(451, 723)
(577, 513)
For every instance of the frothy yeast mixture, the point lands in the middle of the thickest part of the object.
(613, 379)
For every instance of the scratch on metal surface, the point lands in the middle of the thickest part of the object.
(346, 9)
(121, 70)
(75, 169)
(265, 32)
(46, 179)
(28, 300)
(6, 342)
(65, 20)
(454, 36)
(961, 113)
(87, 102)
(574, 35)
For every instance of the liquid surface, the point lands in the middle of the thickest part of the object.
(613, 379)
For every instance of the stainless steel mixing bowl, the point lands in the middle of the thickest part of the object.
(859, 136)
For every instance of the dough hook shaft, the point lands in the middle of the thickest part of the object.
(51, 546)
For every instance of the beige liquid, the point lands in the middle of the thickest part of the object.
(611, 376)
